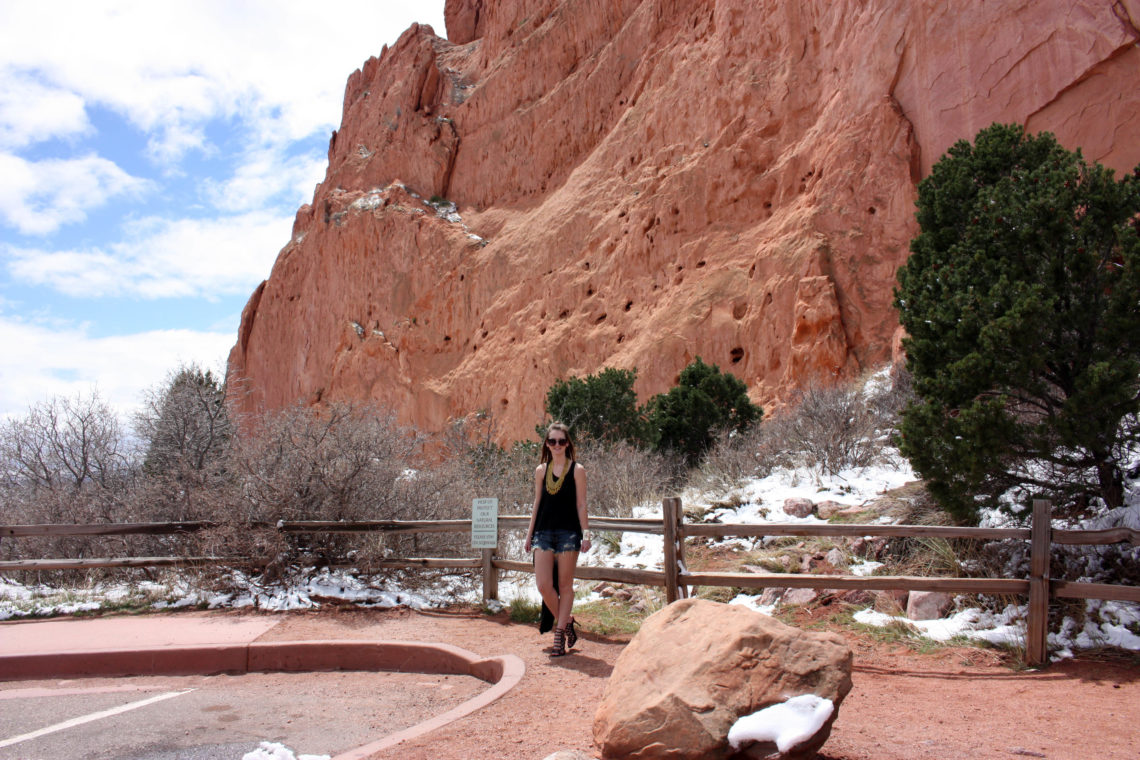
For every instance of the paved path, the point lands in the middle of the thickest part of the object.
(186, 629)
(206, 686)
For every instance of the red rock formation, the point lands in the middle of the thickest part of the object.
(640, 182)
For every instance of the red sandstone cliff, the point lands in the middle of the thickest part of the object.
(639, 182)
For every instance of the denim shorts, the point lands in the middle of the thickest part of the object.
(557, 541)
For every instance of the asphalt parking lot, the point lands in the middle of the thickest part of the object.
(218, 717)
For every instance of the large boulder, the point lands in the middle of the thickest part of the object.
(697, 667)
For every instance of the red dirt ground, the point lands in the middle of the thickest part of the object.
(954, 703)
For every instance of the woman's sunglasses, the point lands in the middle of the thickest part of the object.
(556, 441)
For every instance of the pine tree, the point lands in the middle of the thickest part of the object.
(1021, 301)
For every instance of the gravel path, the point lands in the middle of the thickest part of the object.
(952, 703)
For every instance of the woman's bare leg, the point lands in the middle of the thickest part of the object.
(567, 563)
(544, 577)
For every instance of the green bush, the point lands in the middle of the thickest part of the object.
(601, 406)
(705, 401)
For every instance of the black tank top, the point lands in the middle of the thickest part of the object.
(559, 511)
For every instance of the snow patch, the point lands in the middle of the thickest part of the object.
(278, 751)
(787, 724)
(867, 567)
(753, 603)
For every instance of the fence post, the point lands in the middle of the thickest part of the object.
(670, 507)
(1037, 626)
(490, 577)
(682, 567)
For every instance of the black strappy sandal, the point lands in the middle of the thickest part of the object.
(559, 648)
(571, 634)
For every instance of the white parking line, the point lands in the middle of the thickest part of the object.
(92, 717)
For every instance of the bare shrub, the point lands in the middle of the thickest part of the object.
(734, 457)
(65, 461)
(342, 462)
(888, 393)
(339, 462)
(66, 445)
(832, 427)
(836, 427)
(622, 476)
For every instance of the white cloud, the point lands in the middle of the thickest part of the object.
(268, 74)
(266, 176)
(163, 258)
(63, 360)
(38, 197)
(279, 67)
(31, 112)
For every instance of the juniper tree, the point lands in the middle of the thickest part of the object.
(602, 406)
(185, 427)
(704, 402)
(1020, 301)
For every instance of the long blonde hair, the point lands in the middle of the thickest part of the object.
(546, 455)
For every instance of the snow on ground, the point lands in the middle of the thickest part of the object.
(278, 751)
(761, 500)
(306, 591)
(1106, 623)
(757, 501)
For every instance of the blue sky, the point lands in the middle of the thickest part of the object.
(152, 156)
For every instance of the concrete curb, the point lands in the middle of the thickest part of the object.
(502, 672)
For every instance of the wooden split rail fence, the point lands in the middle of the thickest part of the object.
(674, 576)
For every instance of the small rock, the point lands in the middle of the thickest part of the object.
(836, 558)
(828, 509)
(856, 596)
(817, 563)
(798, 507)
(799, 596)
(771, 596)
(928, 605)
(623, 594)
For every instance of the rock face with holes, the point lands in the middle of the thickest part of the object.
(696, 667)
(640, 182)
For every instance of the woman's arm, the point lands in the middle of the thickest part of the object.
(583, 516)
(538, 473)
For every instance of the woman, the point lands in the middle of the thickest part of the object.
(558, 522)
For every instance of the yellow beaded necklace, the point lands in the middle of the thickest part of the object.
(554, 485)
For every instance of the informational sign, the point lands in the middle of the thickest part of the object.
(484, 523)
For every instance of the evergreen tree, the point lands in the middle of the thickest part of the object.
(185, 423)
(704, 402)
(601, 406)
(1020, 302)
(185, 427)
